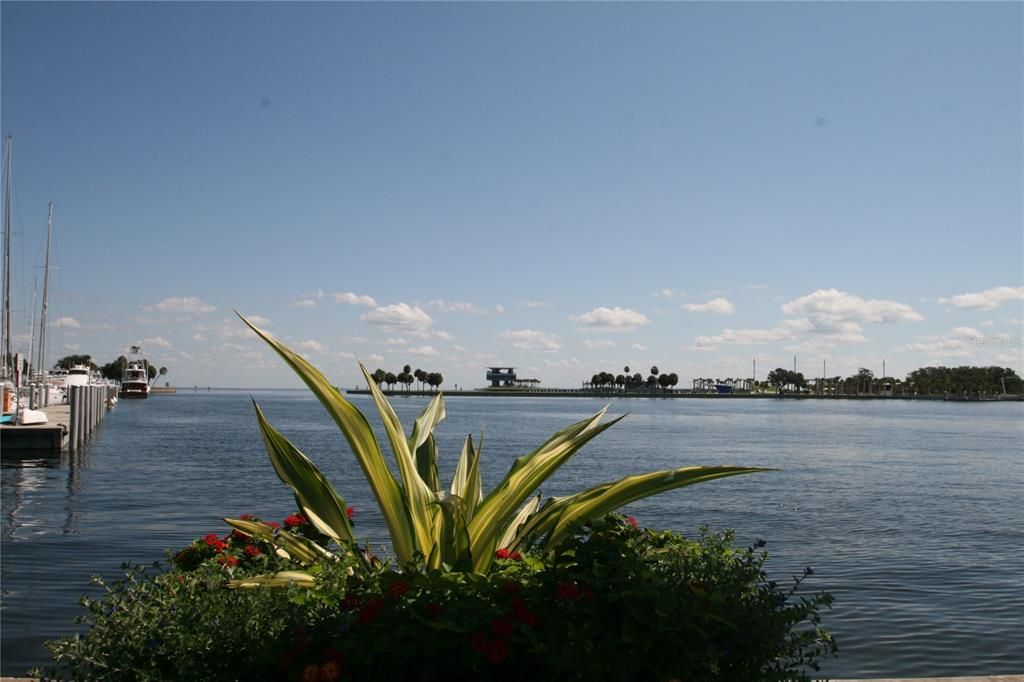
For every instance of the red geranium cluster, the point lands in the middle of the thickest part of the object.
(504, 553)
(237, 548)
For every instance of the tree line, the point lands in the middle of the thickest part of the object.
(112, 370)
(923, 381)
(632, 382)
(406, 377)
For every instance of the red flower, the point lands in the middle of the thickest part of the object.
(509, 587)
(522, 613)
(503, 553)
(350, 512)
(212, 540)
(349, 602)
(247, 517)
(227, 560)
(311, 673)
(330, 671)
(502, 627)
(567, 591)
(494, 650)
(631, 520)
(398, 588)
(295, 520)
(237, 535)
(368, 613)
(252, 551)
(272, 524)
(516, 556)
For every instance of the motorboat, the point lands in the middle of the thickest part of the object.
(134, 381)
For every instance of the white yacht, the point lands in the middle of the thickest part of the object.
(134, 381)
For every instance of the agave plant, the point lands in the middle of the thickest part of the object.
(458, 529)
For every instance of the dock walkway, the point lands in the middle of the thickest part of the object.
(51, 436)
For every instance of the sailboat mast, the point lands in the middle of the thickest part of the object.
(5, 319)
(41, 366)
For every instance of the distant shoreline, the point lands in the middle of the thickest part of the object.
(569, 393)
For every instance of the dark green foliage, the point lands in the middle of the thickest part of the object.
(940, 380)
(616, 602)
(69, 361)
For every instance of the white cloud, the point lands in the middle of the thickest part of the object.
(986, 300)
(354, 299)
(715, 305)
(960, 342)
(755, 286)
(788, 329)
(187, 305)
(425, 351)
(157, 341)
(375, 358)
(456, 307)
(535, 304)
(67, 323)
(310, 300)
(843, 306)
(638, 346)
(198, 337)
(442, 335)
(610, 319)
(314, 346)
(400, 317)
(395, 342)
(73, 347)
(670, 293)
(988, 323)
(258, 320)
(531, 340)
(594, 345)
(499, 309)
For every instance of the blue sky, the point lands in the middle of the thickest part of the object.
(567, 188)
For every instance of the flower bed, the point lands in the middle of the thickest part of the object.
(616, 602)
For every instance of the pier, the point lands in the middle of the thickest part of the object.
(68, 426)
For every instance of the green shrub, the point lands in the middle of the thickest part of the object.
(614, 602)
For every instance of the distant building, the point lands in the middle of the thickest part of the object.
(501, 376)
(505, 377)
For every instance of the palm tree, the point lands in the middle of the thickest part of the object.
(654, 370)
(163, 371)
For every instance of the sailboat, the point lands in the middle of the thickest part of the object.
(8, 391)
(26, 415)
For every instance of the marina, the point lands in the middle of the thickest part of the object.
(906, 511)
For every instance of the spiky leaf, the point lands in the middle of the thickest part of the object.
(361, 440)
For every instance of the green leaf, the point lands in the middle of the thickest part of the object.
(508, 536)
(600, 500)
(322, 505)
(422, 442)
(466, 482)
(359, 434)
(280, 579)
(426, 463)
(453, 538)
(300, 548)
(525, 476)
(419, 497)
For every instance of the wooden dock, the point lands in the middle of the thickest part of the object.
(51, 436)
(68, 427)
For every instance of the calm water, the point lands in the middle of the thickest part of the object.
(909, 513)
